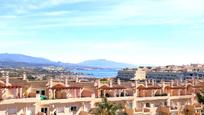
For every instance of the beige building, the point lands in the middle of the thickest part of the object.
(132, 74)
(141, 74)
(160, 73)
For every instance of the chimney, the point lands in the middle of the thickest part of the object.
(7, 78)
(24, 76)
(66, 82)
(153, 82)
(149, 81)
(146, 84)
(172, 83)
(118, 81)
(193, 79)
(95, 83)
(51, 82)
(163, 83)
(77, 79)
(186, 82)
(136, 83)
(98, 82)
(111, 83)
(3, 74)
(181, 80)
(177, 82)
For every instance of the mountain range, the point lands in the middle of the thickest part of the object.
(16, 60)
(104, 63)
(23, 58)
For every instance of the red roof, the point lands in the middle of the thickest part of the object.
(59, 85)
(105, 87)
(178, 87)
(70, 87)
(175, 87)
(198, 86)
(10, 87)
(148, 88)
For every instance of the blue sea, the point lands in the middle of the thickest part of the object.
(99, 73)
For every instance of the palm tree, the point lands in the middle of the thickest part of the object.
(189, 110)
(200, 96)
(107, 108)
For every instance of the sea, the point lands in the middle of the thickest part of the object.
(98, 73)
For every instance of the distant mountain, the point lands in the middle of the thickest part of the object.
(102, 63)
(19, 58)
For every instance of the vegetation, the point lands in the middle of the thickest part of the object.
(189, 110)
(104, 80)
(200, 97)
(107, 108)
(30, 77)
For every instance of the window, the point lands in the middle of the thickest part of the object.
(130, 105)
(147, 104)
(37, 92)
(165, 103)
(44, 110)
(73, 108)
(43, 92)
(60, 110)
(12, 111)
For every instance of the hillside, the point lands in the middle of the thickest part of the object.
(5, 57)
(104, 64)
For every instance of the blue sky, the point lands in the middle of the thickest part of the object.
(157, 32)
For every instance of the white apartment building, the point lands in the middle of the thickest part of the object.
(132, 74)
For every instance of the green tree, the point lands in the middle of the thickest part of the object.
(200, 96)
(107, 108)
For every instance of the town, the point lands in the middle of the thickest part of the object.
(142, 91)
(101, 57)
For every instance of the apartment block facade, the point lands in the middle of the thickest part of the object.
(19, 96)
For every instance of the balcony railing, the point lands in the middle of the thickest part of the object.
(89, 99)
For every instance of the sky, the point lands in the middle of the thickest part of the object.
(154, 32)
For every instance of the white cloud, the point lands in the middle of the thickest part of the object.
(58, 2)
(56, 13)
(38, 15)
(145, 12)
(10, 44)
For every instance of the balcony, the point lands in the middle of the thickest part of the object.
(20, 101)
